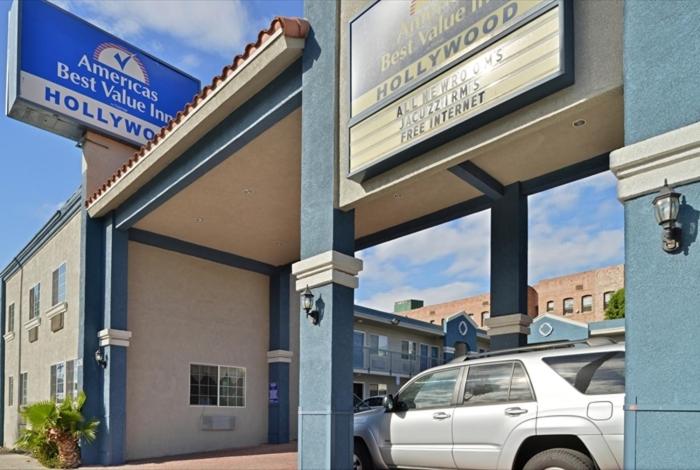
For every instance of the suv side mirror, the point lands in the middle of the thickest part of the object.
(388, 403)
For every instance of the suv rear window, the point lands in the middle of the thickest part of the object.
(593, 373)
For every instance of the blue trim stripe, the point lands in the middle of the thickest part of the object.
(199, 251)
(276, 101)
(55, 223)
(565, 175)
(403, 321)
(568, 174)
(3, 311)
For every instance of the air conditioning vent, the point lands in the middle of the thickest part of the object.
(217, 423)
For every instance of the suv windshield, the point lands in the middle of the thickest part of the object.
(593, 373)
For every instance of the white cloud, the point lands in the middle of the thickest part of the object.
(564, 253)
(572, 228)
(190, 61)
(385, 300)
(212, 26)
(463, 243)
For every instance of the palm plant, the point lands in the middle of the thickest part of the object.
(55, 431)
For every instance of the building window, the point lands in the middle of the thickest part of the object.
(434, 356)
(58, 292)
(34, 301)
(64, 383)
(484, 316)
(217, 385)
(606, 298)
(408, 349)
(58, 382)
(23, 388)
(568, 306)
(11, 318)
(378, 343)
(10, 391)
(377, 390)
(587, 303)
(550, 306)
(231, 386)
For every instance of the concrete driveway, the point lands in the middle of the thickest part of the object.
(10, 461)
(266, 457)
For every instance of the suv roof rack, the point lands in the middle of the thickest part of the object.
(598, 341)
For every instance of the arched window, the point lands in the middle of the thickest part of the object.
(568, 306)
(587, 303)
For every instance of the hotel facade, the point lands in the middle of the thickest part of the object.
(168, 289)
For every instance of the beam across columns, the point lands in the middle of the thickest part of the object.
(532, 186)
(478, 178)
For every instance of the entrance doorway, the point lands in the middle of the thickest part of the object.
(358, 388)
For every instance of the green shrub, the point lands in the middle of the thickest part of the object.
(54, 430)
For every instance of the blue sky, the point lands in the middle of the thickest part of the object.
(572, 228)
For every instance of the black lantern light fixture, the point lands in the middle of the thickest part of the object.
(100, 358)
(307, 298)
(666, 206)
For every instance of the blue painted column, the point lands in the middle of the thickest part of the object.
(662, 138)
(103, 324)
(90, 322)
(279, 358)
(327, 264)
(508, 322)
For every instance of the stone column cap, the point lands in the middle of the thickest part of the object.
(325, 268)
(112, 337)
(642, 167)
(508, 324)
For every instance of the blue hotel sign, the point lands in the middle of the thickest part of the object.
(66, 75)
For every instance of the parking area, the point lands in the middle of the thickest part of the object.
(266, 457)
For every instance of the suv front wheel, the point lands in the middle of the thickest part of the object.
(564, 459)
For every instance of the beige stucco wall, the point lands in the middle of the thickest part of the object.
(51, 347)
(186, 310)
(598, 68)
(396, 334)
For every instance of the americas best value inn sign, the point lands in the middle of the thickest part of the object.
(66, 75)
(424, 72)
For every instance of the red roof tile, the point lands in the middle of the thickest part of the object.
(292, 27)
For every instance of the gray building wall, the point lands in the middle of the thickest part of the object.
(51, 347)
(185, 310)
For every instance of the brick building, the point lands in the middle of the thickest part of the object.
(581, 296)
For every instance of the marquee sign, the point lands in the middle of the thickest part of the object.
(66, 75)
(424, 72)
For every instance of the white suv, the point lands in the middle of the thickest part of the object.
(555, 406)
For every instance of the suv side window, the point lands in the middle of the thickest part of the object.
(593, 373)
(490, 384)
(434, 390)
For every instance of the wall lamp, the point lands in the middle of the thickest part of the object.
(100, 358)
(666, 206)
(308, 301)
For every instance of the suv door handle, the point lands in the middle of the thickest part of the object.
(515, 411)
(441, 415)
